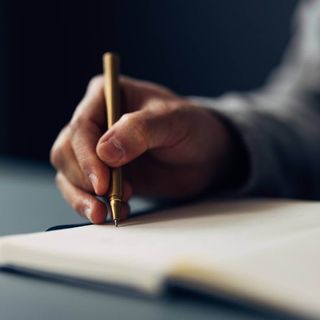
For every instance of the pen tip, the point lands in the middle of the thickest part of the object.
(115, 210)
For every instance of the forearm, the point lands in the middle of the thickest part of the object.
(278, 126)
(281, 149)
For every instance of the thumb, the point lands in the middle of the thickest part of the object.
(138, 132)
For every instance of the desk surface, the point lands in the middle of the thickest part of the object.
(30, 202)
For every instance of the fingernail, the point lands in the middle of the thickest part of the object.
(94, 180)
(113, 150)
(87, 212)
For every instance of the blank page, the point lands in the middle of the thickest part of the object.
(241, 237)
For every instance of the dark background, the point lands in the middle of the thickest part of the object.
(50, 49)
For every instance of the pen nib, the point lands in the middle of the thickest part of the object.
(115, 210)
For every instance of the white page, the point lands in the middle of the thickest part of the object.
(284, 274)
(145, 249)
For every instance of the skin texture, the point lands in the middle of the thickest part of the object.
(168, 146)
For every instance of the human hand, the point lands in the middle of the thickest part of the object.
(168, 147)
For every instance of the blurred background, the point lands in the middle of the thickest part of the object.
(50, 49)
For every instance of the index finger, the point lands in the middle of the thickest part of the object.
(92, 106)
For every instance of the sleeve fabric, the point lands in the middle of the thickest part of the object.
(280, 123)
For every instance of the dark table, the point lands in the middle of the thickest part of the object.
(29, 202)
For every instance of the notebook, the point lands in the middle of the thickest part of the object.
(263, 251)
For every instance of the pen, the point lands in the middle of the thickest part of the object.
(112, 96)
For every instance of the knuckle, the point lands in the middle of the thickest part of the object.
(158, 106)
(135, 121)
(58, 151)
(76, 123)
(126, 117)
(138, 126)
(55, 156)
(80, 205)
(95, 82)
(82, 122)
(77, 206)
(162, 107)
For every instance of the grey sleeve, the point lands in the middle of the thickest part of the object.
(280, 123)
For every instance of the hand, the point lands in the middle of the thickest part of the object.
(168, 147)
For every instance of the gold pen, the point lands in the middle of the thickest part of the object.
(112, 96)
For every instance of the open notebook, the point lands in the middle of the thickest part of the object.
(263, 251)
